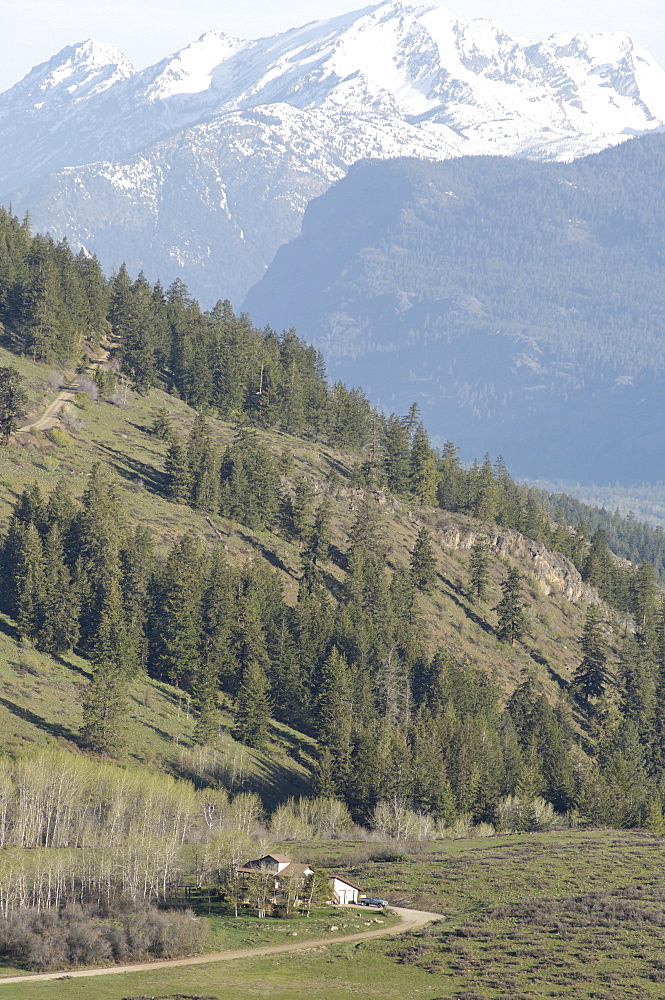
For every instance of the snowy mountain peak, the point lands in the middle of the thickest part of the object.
(77, 72)
(191, 70)
(246, 133)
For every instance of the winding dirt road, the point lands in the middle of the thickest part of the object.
(411, 919)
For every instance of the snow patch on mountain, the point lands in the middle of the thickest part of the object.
(245, 133)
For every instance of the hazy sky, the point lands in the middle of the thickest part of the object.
(146, 30)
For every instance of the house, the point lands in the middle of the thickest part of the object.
(275, 880)
(268, 863)
(343, 891)
(281, 883)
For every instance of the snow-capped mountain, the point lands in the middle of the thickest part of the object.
(201, 166)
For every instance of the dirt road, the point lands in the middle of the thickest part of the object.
(411, 919)
(50, 415)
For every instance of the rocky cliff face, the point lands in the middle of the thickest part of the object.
(554, 572)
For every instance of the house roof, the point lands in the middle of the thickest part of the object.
(281, 859)
(293, 868)
(345, 881)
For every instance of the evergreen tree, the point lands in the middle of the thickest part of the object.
(423, 463)
(176, 631)
(423, 563)
(589, 678)
(104, 711)
(451, 479)
(95, 540)
(204, 691)
(301, 510)
(396, 460)
(643, 599)
(178, 473)
(58, 628)
(334, 713)
(252, 716)
(511, 610)
(638, 686)
(30, 583)
(483, 492)
(367, 532)
(478, 572)
(13, 401)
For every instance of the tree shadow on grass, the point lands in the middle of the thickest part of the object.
(131, 469)
(542, 661)
(270, 556)
(52, 728)
(471, 615)
(72, 666)
(8, 628)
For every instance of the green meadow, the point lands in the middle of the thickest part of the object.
(574, 914)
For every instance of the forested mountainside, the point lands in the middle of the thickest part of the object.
(201, 166)
(421, 623)
(520, 304)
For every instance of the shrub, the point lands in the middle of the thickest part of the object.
(89, 934)
(59, 437)
(87, 387)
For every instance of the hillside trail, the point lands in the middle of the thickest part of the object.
(67, 395)
(410, 920)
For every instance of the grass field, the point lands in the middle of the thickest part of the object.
(579, 915)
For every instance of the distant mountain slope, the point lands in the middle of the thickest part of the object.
(522, 304)
(205, 161)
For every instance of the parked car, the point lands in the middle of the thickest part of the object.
(372, 901)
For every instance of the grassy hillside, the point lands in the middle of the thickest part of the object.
(41, 695)
(40, 705)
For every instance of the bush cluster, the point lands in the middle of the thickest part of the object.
(92, 934)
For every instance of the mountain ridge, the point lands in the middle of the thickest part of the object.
(392, 79)
(519, 303)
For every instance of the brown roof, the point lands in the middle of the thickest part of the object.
(345, 881)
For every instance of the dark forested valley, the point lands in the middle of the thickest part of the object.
(520, 303)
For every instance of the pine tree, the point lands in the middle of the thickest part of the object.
(423, 563)
(112, 645)
(396, 460)
(589, 678)
(95, 542)
(483, 498)
(13, 401)
(176, 639)
(301, 510)
(104, 711)
(178, 473)
(334, 714)
(424, 473)
(58, 628)
(511, 610)
(478, 572)
(451, 479)
(204, 691)
(643, 599)
(367, 532)
(638, 686)
(30, 583)
(252, 716)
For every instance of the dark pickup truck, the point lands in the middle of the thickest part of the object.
(372, 901)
